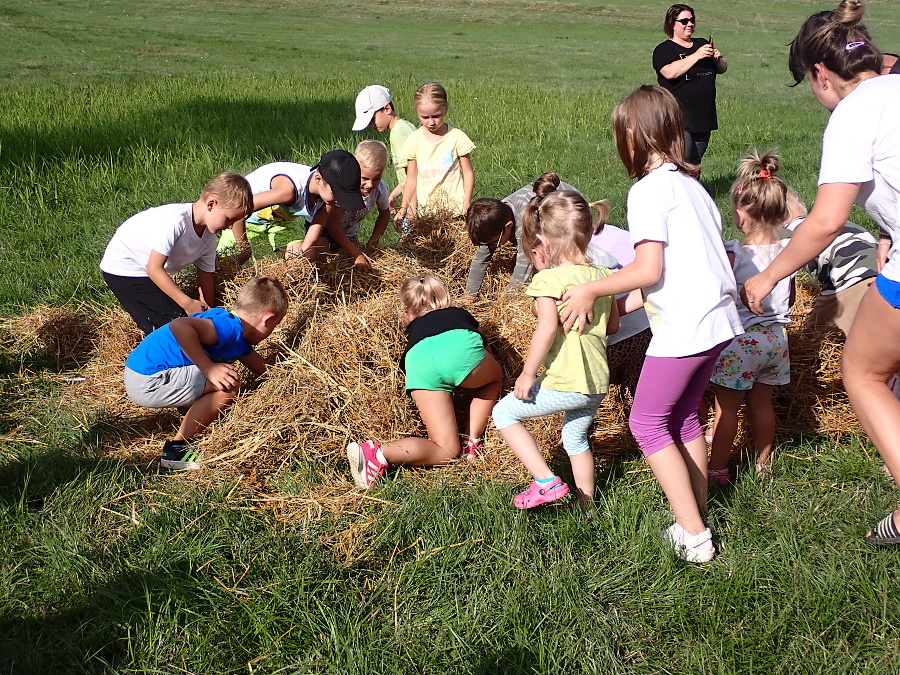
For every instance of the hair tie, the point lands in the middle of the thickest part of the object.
(853, 45)
(741, 187)
(764, 173)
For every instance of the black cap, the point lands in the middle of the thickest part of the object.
(341, 171)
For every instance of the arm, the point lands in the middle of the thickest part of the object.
(281, 191)
(392, 198)
(333, 225)
(192, 333)
(241, 241)
(254, 362)
(881, 251)
(381, 223)
(644, 271)
(541, 341)
(468, 176)
(631, 302)
(207, 284)
(612, 325)
(679, 67)
(812, 236)
(315, 228)
(478, 267)
(158, 275)
(721, 63)
(409, 193)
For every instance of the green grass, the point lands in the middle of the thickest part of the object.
(107, 108)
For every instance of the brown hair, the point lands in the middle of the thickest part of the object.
(560, 222)
(486, 219)
(760, 193)
(372, 154)
(431, 91)
(648, 122)
(424, 293)
(838, 40)
(672, 14)
(260, 295)
(232, 190)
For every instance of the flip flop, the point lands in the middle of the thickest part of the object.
(885, 533)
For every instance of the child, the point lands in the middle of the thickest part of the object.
(158, 242)
(557, 230)
(375, 110)
(444, 351)
(757, 361)
(284, 190)
(187, 362)
(372, 158)
(439, 171)
(690, 296)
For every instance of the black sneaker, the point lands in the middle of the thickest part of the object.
(179, 456)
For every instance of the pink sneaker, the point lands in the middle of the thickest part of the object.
(364, 464)
(721, 477)
(538, 494)
(472, 449)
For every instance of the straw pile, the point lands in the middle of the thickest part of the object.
(334, 376)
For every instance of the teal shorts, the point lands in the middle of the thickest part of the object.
(441, 362)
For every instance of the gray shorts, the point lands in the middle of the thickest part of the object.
(169, 388)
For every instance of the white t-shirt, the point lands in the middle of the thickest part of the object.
(692, 307)
(168, 230)
(862, 145)
(750, 261)
(261, 181)
(351, 220)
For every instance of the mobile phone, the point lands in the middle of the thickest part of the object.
(711, 43)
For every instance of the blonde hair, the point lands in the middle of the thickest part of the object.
(372, 154)
(430, 91)
(422, 294)
(760, 193)
(561, 223)
(232, 190)
(796, 205)
(260, 295)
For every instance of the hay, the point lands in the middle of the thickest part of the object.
(334, 377)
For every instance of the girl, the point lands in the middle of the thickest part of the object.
(444, 351)
(757, 361)
(860, 162)
(690, 295)
(438, 172)
(557, 230)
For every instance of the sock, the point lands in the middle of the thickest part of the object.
(545, 481)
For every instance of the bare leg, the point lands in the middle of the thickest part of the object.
(762, 420)
(204, 411)
(486, 379)
(523, 445)
(678, 483)
(728, 403)
(583, 472)
(442, 444)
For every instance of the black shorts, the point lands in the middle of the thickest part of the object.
(144, 301)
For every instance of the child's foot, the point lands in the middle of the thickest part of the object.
(763, 470)
(364, 463)
(179, 456)
(721, 477)
(696, 548)
(472, 448)
(538, 493)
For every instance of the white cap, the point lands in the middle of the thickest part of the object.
(370, 100)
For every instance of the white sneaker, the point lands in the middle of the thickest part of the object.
(696, 548)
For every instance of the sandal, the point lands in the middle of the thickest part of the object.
(696, 548)
(885, 533)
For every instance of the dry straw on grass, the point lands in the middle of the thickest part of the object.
(334, 376)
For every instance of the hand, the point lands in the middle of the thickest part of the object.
(522, 389)
(580, 308)
(881, 254)
(194, 306)
(399, 217)
(360, 263)
(223, 377)
(707, 51)
(754, 291)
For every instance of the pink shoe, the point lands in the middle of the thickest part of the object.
(472, 449)
(721, 477)
(538, 494)
(364, 464)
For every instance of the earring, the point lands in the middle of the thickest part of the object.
(824, 85)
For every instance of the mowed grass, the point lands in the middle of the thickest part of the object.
(109, 108)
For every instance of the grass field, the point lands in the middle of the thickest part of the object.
(107, 108)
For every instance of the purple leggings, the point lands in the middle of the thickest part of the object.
(667, 398)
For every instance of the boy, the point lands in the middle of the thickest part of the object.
(187, 362)
(284, 190)
(158, 242)
(375, 110)
(372, 158)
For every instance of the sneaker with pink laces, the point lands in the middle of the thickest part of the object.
(364, 463)
(538, 494)
(472, 448)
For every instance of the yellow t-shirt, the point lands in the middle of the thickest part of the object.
(575, 362)
(439, 181)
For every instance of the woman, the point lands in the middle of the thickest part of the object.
(687, 66)
(860, 162)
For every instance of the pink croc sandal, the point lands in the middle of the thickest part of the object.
(538, 494)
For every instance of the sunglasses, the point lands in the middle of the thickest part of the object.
(685, 22)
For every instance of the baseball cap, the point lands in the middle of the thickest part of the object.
(368, 102)
(341, 171)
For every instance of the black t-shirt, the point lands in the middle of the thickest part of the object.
(436, 322)
(695, 90)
